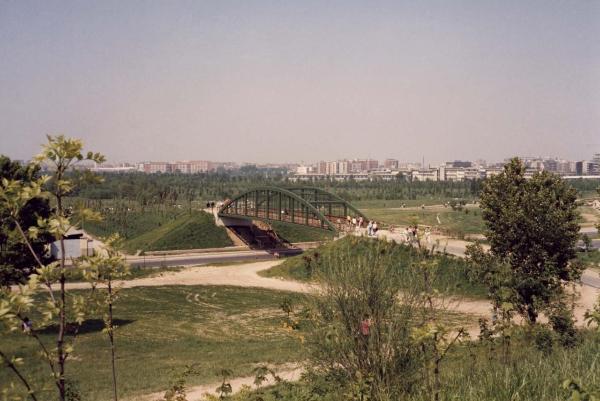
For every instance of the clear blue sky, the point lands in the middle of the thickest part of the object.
(302, 80)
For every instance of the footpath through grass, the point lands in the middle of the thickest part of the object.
(452, 273)
(162, 329)
(451, 222)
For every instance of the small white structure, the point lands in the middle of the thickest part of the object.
(77, 244)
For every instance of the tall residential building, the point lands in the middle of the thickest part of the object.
(391, 164)
(332, 168)
(343, 167)
(154, 167)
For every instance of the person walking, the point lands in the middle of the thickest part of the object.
(370, 228)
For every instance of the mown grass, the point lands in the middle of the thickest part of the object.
(162, 329)
(590, 259)
(134, 272)
(453, 223)
(154, 231)
(298, 233)
(452, 276)
(394, 203)
(131, 223)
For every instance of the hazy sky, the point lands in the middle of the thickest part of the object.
(301, 80)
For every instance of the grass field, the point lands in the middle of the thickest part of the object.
(453, 277)
(591, 259)
(162, 329)
(298, 233)
(158, 231)
(393, 203)
(453, 223)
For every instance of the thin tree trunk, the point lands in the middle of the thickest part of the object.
(112, 339)
(62, 317)
(12, 367)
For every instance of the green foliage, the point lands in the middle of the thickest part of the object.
(470, 375)
(532, 226)
(177, 188)
(375, 327)
(587, 242)
(60, 154)
(578, 393)
(593, 316)
(16, 260)
(453, 273)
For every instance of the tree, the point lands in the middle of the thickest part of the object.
(16, 262)
(376, 327)
(60, 154)
(105, 268)
(532, 226)
(587, 242)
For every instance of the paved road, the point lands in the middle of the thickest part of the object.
(588, 230)
(591, 278)
(201, 259)
(453, 247)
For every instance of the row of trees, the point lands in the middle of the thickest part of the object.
(181, 188)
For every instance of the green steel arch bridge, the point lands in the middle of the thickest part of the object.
(307, 206)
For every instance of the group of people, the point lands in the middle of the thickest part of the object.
(372, 228)
(357, 224)
(411, 234)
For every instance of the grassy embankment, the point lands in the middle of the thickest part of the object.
(158, 230)
(165, 328)
(452, 272)
(298, 233)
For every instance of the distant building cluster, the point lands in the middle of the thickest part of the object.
(369, 169)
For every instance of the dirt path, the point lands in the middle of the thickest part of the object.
(239, 275)
(197, 393)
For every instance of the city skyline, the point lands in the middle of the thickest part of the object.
(266, 82)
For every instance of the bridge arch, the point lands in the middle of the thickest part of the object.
(308, 206)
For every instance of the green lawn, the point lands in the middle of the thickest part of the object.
(162, 329)
(453, 223)
(453, 277)
(154, 231)
(298, 233)
(385, 203)
(591, 259)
